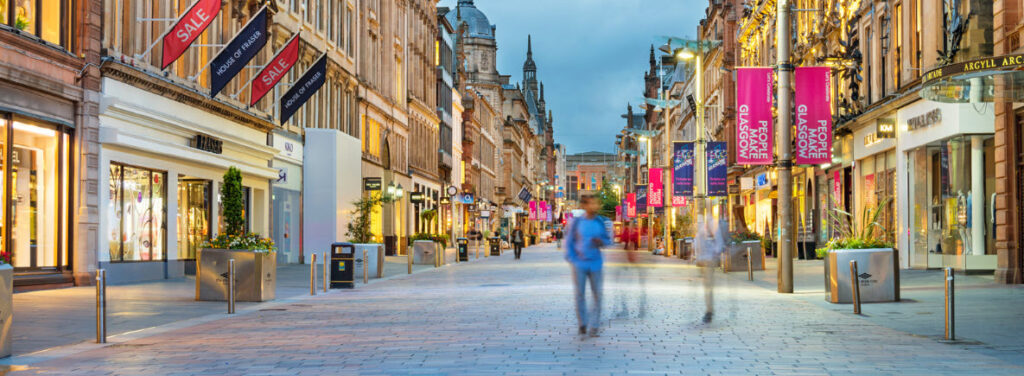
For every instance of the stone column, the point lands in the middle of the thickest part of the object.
(977, 196)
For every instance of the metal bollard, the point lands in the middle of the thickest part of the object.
(326, 277)
(366, 268)
(312, 274)
(101, 306)
(750, 270)
(950, 310)
(476, 244)
(408, 257)
(231, 286)
(855, 286)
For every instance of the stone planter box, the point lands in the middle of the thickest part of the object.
(734, 258)
(424, 252)
(374, 259)
(878, 270)
(6, 308)
(255, 275)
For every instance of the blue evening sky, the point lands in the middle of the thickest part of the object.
(590, 54)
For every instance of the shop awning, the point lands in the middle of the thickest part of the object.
(990, 79)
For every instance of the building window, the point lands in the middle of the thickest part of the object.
(47, 19)
(137, 211)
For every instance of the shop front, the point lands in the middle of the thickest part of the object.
(35, 178)
(286, 198)
(874, 153)
(947, 150)
(162, 162)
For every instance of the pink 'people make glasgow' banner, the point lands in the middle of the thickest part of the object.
(533, 210)
(542, 211)
(754, 116)
(813, 115)
(656, 188)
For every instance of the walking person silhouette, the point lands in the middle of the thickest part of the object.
(583, 241)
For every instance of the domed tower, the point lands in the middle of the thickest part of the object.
(478, 43)
(530, 67)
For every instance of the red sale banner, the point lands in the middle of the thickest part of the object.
(278, 66)
(754, 116)
(655, 190)
(813, 115)
(187, 29)
(631, 205)
(618, 213)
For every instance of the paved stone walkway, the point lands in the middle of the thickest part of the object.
(499, 316)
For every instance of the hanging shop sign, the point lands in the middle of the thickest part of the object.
(754, 116)
(885, 128)
(445, 200)
(467, 198)
(763, 180)
(189, 26)
(242, 48)
(717, 169)
(452, 191)
(416, 197)
(641, 199)
(207, 143)
(655, 190)
(372, 184)
(813, 115)
(533, 210)
(542, 210)
(682, 174)
(525, 195)
(304, 88)
(271, 74)
(631, 205)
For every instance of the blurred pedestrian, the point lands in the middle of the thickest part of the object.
(558, 237)
(585, 237)
(710, 243)
(517, 241)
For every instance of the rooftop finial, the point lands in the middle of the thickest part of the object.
(529, 45)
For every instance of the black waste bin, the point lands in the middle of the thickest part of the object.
(463, 244)
(343, 260)
(495, 246)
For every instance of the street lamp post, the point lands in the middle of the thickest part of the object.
(785, 164)
(650, 209)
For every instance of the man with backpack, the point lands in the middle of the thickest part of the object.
(583, 241)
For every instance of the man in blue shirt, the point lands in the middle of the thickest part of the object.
(583, 241)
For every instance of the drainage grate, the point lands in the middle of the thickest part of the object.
(273, 310)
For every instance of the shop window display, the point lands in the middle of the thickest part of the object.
(137, 210)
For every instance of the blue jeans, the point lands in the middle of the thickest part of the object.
(581, 274)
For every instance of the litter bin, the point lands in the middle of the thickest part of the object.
(463, 244)
(495, 246)
(343, 259)
(879, 277)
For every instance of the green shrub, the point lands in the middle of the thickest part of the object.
(231, 199)
(250, 241)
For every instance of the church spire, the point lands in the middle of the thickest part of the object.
(653, 62)
(541, 91)
(529, 46)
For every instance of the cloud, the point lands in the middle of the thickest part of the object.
(590, 54)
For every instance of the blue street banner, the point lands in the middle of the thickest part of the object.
(682, 172)
(242, 48)
(304, 88)
(641, 200)
(717, 173)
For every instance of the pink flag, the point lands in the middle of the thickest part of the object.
(618, 213)
(631, 205)
(754, 116)
(813, 115)
(655, 190)
(533, 210)
(542, 211)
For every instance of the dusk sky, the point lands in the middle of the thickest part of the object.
(590, 54)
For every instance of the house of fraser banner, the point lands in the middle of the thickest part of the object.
(682, 176)
(813, 115)
(754, 116)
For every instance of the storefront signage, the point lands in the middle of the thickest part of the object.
(746, 183)
(763, 180)
(193, 22)
(813, 115)
(717, 169)
(445, 200)
(631, 205)
(467, 198)
(372, 184)
(754, 116)
(682, 177)
(471, 207)
(485, 214)
(279, 65)
(837, 188)
(885, 128)
(207, 143)
(304, 88)
(416, 197)
(533, 210)
(452, 191)
(922, 121)
(655, 190)
(242, 48)
(988, 63)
